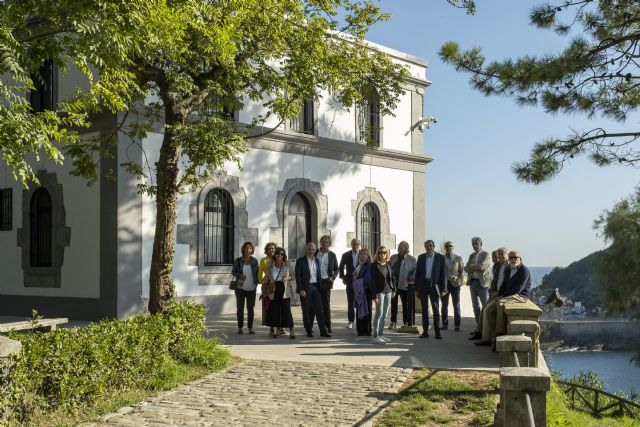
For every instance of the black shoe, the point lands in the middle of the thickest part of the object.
(326, 335)
(476, 336)
(329, 331)
(457, 329)
(445, 327)
(483, 343)
(473, 332)
(438, 336)
(240, 331)
(309, 335)
(424, 335)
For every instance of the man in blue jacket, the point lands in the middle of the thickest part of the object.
(431, 284)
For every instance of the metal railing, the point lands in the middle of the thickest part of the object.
(598, 407)
(527, 396)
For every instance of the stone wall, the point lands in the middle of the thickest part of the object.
(610, 334)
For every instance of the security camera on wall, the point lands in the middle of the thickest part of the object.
(425, 122)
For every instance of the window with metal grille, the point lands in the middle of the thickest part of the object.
(298, 225)
(303, 122)
(44, 97)
(369, 117)
(218, 228)
(214, 106)
(370, 227)
(41, 228)
(6, 209)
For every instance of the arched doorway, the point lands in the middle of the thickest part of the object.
(298, 225)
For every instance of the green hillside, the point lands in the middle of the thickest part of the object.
(577, 281)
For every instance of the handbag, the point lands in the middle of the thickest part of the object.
(233, 284)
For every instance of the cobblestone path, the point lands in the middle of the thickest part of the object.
(270, 393)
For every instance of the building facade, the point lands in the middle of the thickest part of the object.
(84, 252)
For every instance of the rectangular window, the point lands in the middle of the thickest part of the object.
(45, 95)
(214, 107)
(6, 209)
(303, 122)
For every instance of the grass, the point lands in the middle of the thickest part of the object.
(173, 375)
(559, 414)
(437, 397)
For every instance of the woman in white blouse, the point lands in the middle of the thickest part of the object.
(278, 285)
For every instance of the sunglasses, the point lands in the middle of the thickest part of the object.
(514, 257)
(280, 253)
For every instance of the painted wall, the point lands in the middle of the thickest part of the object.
(264, 174)
(396, 131)
(80, 272)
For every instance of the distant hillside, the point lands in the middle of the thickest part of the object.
(577, 281)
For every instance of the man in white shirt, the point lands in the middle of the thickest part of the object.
(479, 277)
(328, 272)
(308, 287)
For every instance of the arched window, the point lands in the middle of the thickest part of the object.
(218, 228)
(370, 227)
(298, 225)
(41, 229)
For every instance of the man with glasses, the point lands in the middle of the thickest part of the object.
(348, 264)
(455, 275)
(515, 287)
(431, 284)
(479, 277)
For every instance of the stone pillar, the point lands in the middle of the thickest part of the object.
(514, 384)
(506, 345)
(530, 329)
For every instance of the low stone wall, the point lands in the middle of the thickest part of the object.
(610, 334)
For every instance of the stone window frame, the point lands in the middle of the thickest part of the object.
(6, 209)
(370, 194)
(312, 190)
(192, 234)
(44, 277)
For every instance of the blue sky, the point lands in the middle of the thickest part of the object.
(470, 189)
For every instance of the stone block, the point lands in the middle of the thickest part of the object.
(524, 379)
(517, 343)
(9, 347)
(527, 327)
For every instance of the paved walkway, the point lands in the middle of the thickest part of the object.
(270, 393)
(342, 380)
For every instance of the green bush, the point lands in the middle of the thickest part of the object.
(69, 367)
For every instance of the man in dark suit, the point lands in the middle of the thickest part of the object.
(328, 273)
(348, 264)
(308, 287)
(431, 284)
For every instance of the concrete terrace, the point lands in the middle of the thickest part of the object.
(454, 351)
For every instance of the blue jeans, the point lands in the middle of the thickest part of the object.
(479, 296)
(381, 313)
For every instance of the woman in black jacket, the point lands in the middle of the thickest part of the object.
(245, 270)
(384, 288)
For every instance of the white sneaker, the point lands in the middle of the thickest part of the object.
(392, 326)
(378, 340)
(385, 339)
(350, 325)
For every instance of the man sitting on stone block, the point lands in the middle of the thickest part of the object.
(515, 287)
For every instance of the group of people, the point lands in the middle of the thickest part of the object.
(381, 281)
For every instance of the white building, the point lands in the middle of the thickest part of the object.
(84, 252)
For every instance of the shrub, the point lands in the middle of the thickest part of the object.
(69, 367)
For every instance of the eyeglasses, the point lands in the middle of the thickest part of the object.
(382, 252)
(514, 257)
(280, 253)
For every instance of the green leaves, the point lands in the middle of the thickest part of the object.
(596, 74)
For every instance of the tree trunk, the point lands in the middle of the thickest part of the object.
(161, 287)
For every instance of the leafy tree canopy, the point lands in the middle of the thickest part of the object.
(597, 74)
(619, 268)
(193, 56)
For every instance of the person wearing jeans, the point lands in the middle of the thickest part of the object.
(383, 287)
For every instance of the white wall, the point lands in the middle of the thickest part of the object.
(334, 121)
(80, 273)
(264, 174)
(396, 131)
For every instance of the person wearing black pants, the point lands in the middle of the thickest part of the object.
(348, 264)
(245, 271)
(327, 274)
(431, 276)
(307, 286)
(403, 267)
(455, 275)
